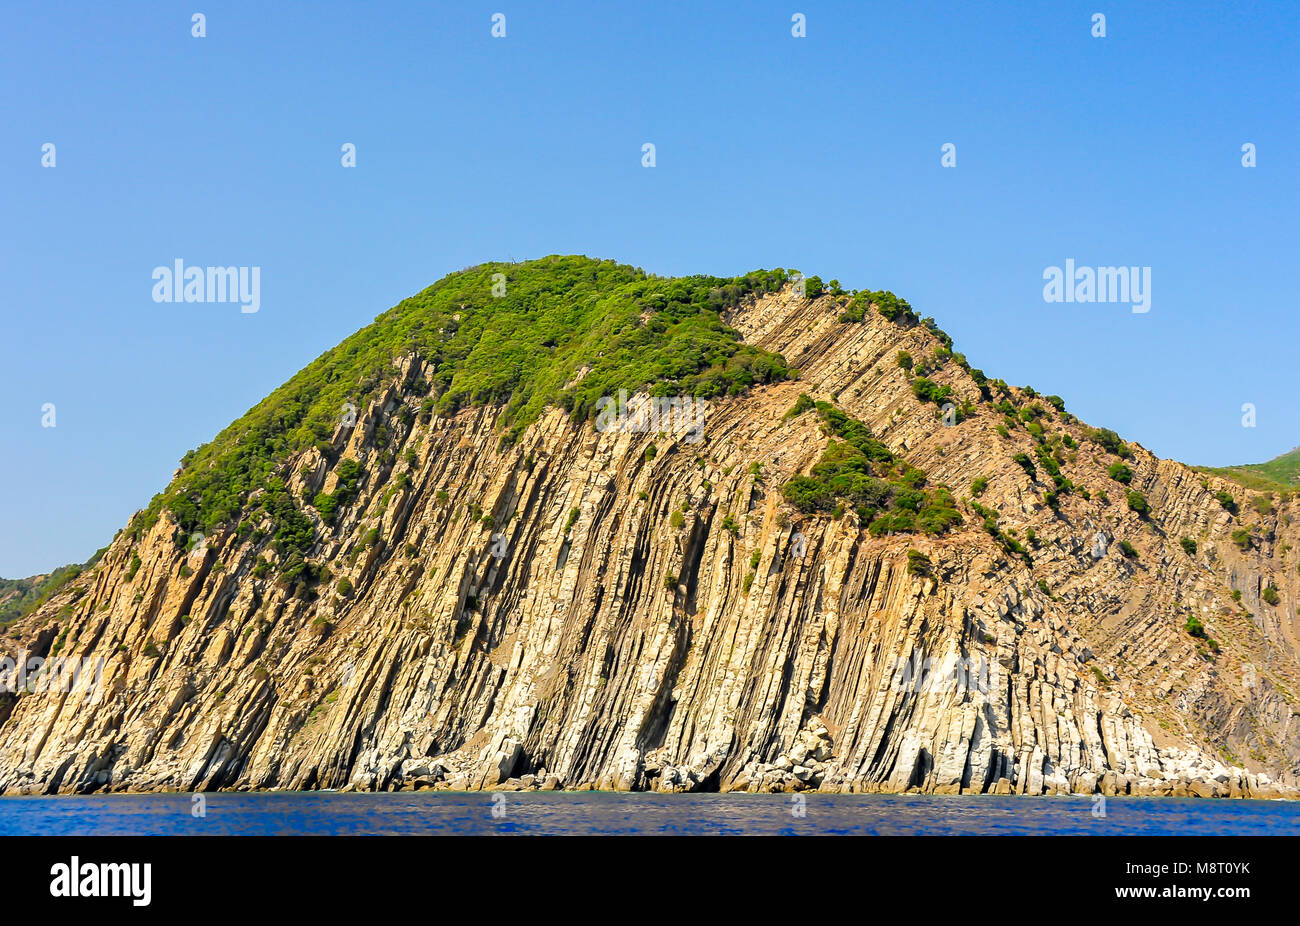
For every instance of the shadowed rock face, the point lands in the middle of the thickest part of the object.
(588, 637)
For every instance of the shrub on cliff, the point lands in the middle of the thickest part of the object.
(858, 470)
(1120, 472)
(801, 405)
(808, 494)
(1024, 462)
(929, 391)
(1110, 441)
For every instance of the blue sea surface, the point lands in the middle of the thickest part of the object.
(602, 813)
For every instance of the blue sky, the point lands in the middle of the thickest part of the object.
(819, 153)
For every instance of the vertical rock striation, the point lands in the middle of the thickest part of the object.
(577, 610)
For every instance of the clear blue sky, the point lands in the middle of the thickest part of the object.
(821, 153)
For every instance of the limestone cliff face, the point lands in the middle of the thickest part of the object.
(659, 618)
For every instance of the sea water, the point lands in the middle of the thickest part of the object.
(604, 813)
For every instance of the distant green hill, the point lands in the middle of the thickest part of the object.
(1279, 474)
(22, 596)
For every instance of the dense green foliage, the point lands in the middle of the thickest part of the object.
(888, 495)
(929, 391)
(1110, 441)
(1120, 472)
(890, 307)
(349, 474)
(1138, 502)
(522, 349)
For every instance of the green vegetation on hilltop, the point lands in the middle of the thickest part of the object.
(565, 331)
(886, 303)
(1277, 475)
(515, 335)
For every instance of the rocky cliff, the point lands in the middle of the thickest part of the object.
(645, 609)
